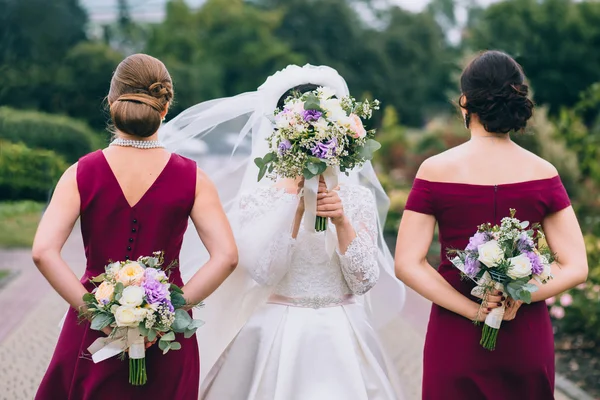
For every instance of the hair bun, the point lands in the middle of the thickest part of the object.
(160, 91)
(493, 88)
(143, 99)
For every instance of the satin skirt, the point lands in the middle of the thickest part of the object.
(296, 353)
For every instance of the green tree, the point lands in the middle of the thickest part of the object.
(556, 41)
(224, 48)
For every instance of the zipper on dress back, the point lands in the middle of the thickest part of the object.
(495, 203)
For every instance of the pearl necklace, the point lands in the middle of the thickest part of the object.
(138, 144)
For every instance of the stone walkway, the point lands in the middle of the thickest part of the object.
(31, 312)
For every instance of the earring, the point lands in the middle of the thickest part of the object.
(467, 120)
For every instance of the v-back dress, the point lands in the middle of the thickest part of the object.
(114, 230)
(456, 367)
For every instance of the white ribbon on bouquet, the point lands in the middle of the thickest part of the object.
(124, 339)
(494, 318)
(311, 189)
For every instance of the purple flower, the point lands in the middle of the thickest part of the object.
(156, 292)
(472, 266)
(284, 146)
(525, 243)
(167, 303)
(536, 263)
(325, 150)
(476, 240)
(311, 115)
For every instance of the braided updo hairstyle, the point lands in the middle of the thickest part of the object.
(140, 92)
(493, 88)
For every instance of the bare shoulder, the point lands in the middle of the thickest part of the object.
(203, 183)
(437, 168)
(69, 177)
(541, 168)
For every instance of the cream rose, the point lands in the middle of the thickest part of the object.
(130, 274)
(490, 253)
(129, 316)
(357, 127)
(104, 293)
(520, 267)
(132, 296)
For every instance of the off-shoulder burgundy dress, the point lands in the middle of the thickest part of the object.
(113, 230)
(456, 367)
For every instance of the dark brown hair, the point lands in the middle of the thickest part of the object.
(140, 91)
(493, 87)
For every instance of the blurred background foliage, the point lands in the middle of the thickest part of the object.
(56, 61)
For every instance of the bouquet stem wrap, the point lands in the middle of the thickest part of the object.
(311, 188)
(493, 321)
(124, 339)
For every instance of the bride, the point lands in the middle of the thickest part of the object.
(299, 318)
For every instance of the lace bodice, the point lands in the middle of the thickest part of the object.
(302, 269)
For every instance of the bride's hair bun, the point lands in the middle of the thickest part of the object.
(141, 90)
(493, 87)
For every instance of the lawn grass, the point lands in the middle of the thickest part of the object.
(18, 223)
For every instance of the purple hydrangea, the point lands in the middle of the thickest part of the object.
(536, 262)
(472, 266)
(477, 240)
(156, 292)
(525, 243)
(284, 146)
(167, 303)
(325, 150)
(311, 115)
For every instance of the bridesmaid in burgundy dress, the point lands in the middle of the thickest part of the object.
(460, 189)
(133, 198)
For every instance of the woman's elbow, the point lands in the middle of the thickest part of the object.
(231, 259)
(400, 267)
(39, 254)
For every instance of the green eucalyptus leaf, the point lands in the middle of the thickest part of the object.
(182, 321)
(101, 321)
(175, 346)
(89, 298)
(168, 337)
(189, 333)
(98, 279)
(177, 300)
(175, 289)
(151, 335)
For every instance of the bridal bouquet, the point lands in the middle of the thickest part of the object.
(136, 299)
(317, 134)
(505, 258)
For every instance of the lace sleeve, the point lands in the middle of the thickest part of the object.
(359, 262)
(265, 242)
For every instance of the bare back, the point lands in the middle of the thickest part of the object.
(486, 161)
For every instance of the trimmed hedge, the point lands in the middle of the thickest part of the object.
(65, 136)
(28, 173)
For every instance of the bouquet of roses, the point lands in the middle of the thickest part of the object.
(505, 258)
(137, 300)
(318, 134)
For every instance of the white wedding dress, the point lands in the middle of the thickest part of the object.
(312, 339)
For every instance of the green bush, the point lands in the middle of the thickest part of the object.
(576, 313)
(65, 136)
(28, 173)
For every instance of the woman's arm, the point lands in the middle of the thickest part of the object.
(564, 237)
(357, 236)
(213, 227)
(414, 238)
(52, 233)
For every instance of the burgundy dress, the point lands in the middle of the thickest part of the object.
(456, 367)
(112, 230)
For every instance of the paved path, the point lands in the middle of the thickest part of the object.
(28, 337)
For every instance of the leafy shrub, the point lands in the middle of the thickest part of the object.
(65, 136)
(577, 312)
(28, 173)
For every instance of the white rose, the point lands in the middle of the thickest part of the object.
(132, 296)
(520, 267)
(129, 316)
(546, 274)
(326, 92)
(161, 276)
(490, 253)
